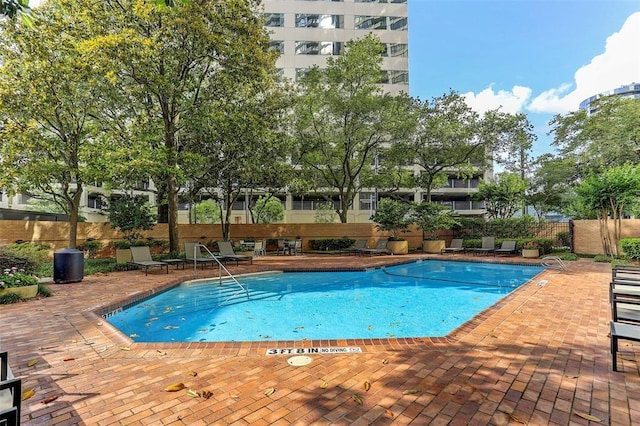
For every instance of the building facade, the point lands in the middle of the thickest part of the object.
(627, 91)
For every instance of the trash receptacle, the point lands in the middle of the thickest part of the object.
(68, 266)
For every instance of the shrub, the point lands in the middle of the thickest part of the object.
(24, 260)
(14, 277)
(631, 247)
(91, 247)
(5, 299)
(602, 258)
(331, 244)
(563, 239)
(566, 255)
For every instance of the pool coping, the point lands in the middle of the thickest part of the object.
(469, 332)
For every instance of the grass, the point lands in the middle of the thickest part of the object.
(91, 267)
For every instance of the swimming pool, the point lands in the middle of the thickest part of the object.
(424, 298)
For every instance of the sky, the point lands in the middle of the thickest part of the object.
(538, 57)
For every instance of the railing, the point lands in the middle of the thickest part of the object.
(553, 262)
(221, 267)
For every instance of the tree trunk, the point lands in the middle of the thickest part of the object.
(172, 209)
(74, 208)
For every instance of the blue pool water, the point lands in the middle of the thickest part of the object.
(425, 298)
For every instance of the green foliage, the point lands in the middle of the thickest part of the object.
(619, 262)
(545, 245)
(137, 243)
(8, 298)
(343, 119)
(432, 217)
(12, 8)
(611, 193)
(563, 255)
(330, 244)
(92, 247)
(631, 247)
(325, 213)
(503, 196)
(10, 258)
(563, 238)
(512, 227)
(130, 215)
(44, 291)
(206, 211)
(601, 258)
(14, 277)
(38, 252)
(393, 216)
(269, 210)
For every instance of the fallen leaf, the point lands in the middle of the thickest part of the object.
(68, 359)
(269, 391)
(571, 376)
(175, 387)
(74, 341)
(324, 385)
(388, 413)
(517, 419)
(192, 373)
(385, 361)
(125, 348)
(48, 400)
(32, 362)
(357, 399)
(193, 393)
(411, 392)
(206, 394)
(28, 394)
(587, 416)
(234, 396)
(367, 386)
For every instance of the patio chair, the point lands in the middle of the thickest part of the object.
(227, 253)
(282, 247)
(622, 331)
(296, 247)
(507, 247)
(259, 248)
(380, 248)
(141, 258)
(488, 246)
(454, 247)
(357, 247)
(193, 254)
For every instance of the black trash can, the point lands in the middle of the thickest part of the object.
(68, 266)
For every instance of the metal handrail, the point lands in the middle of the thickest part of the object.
(221, 267)
(548, 262)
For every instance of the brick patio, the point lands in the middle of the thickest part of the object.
(538, 357)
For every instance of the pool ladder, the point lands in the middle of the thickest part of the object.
(553, 262)
(221, 267)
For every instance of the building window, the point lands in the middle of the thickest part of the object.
(370, 22)
(274, 19)
(25, 197)
(94, 201)
(278, 45)
(398, 24)
(312, 202)
(398, 50)
(318, 47)
(306, 20)
(368, 201)
(141, 185)
(398, 77)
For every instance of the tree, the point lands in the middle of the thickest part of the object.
(171, 70)
(607, 136)
(550, 184)
(268, 210)
(432, 217)
(48, 96)
(393, 216)
(206, 211)
(610, 193)
(131, 214)
(342, 118)
(325, 213)
(502, 196)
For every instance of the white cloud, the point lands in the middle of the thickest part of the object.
(511, 101)
(618, 65)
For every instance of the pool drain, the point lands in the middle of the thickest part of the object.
(298, 361)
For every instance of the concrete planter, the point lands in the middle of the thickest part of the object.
(26, 292)
(530, 253)
(433, 246)
(398, 247)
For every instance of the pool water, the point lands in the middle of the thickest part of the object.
(425, 298)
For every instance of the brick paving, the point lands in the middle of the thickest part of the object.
(538, 357)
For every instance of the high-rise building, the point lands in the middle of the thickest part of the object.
(307, 32)
(627, 91)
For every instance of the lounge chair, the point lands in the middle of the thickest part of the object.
(357, 247)
(296, 247)
(454, 247)
(507, 247)
(141, 258)
(380, 248)
(193, 254)
(622, 331)
(488, 246)
(227, 253)
(259, 248)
